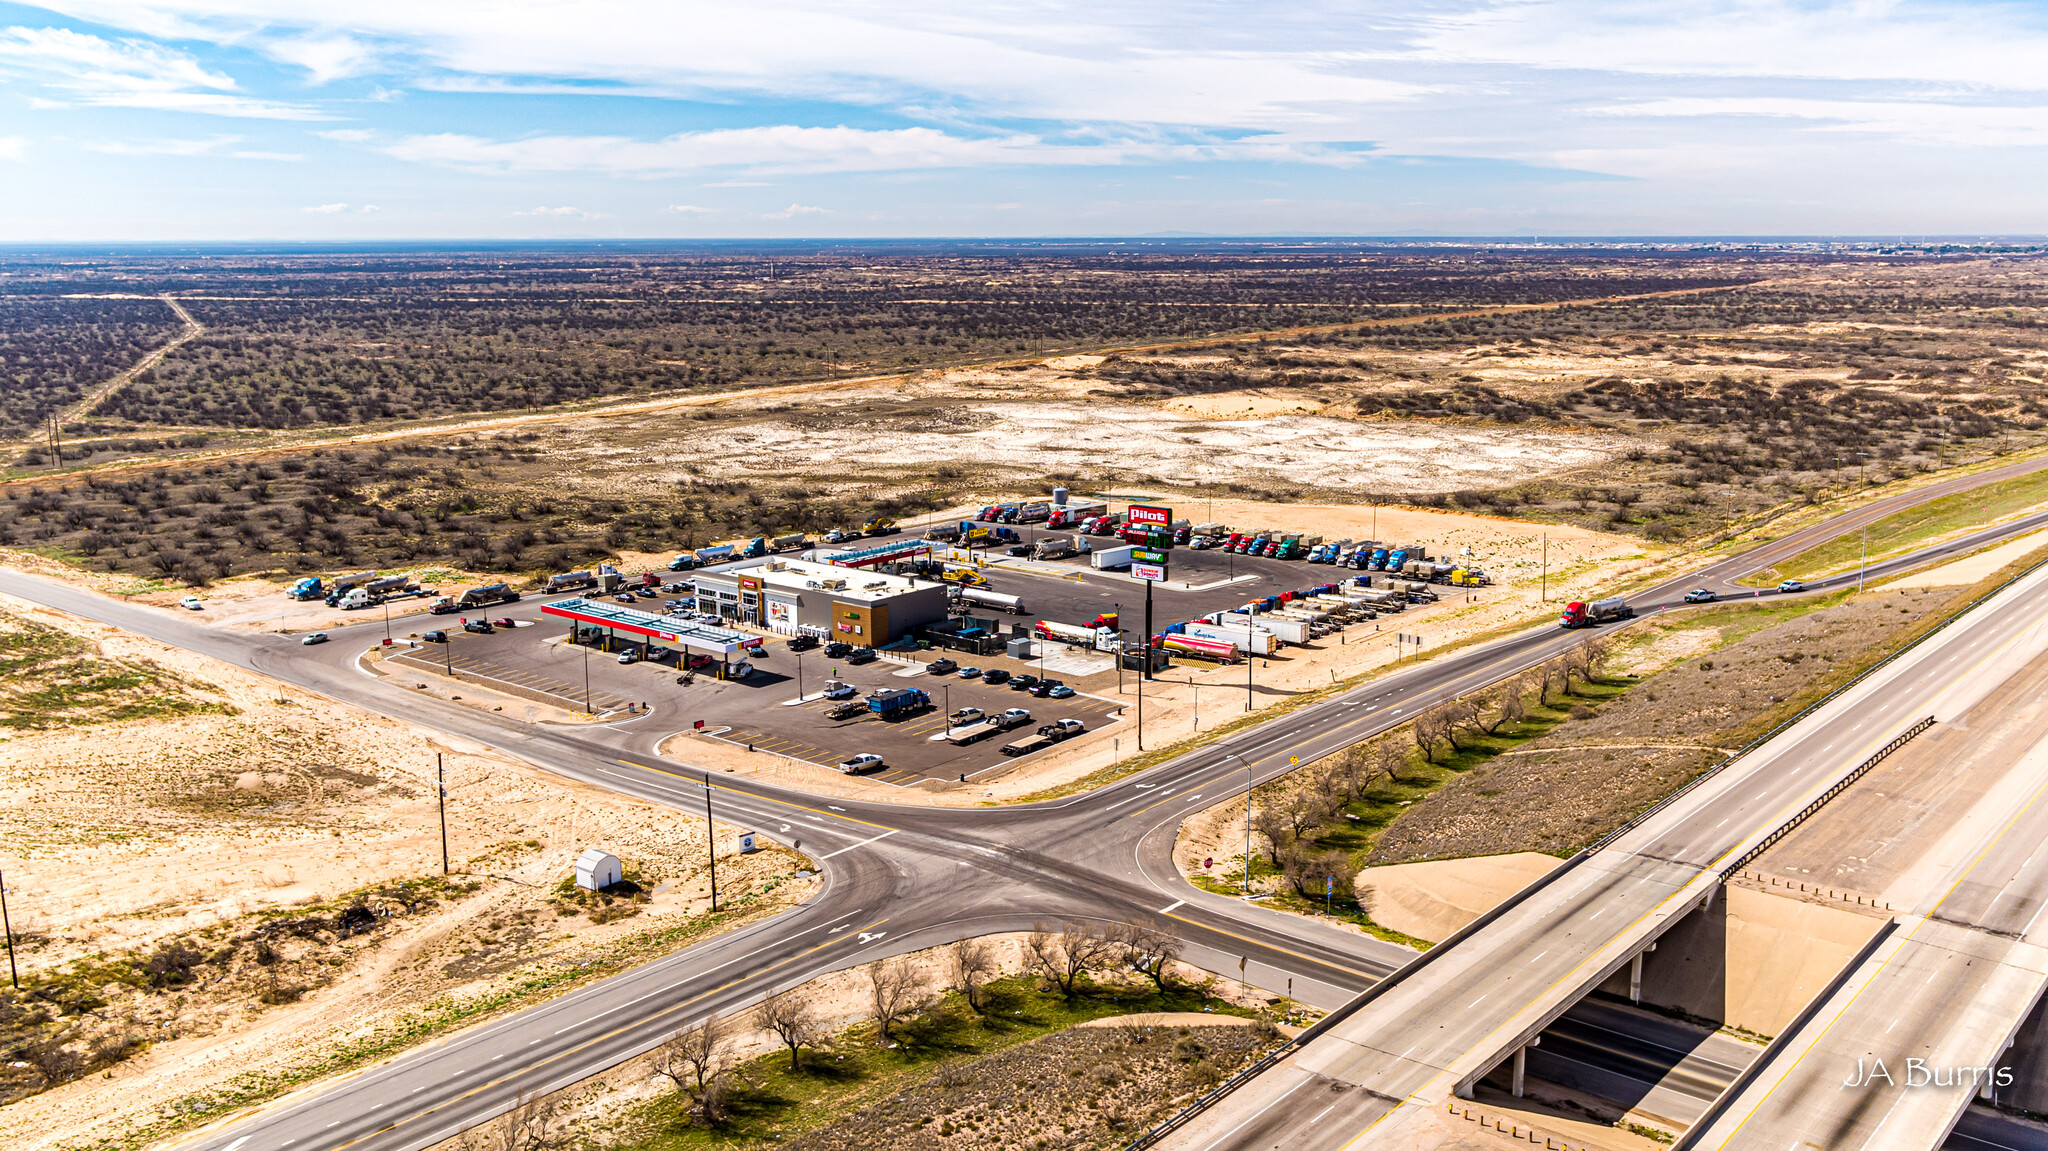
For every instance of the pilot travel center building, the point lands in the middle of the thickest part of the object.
(837, 603)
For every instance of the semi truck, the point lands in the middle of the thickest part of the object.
(982, 597)
(712, 555)
(1055, 547)
(377, 591)
(570, 581)
(895, 703)
(484, 596)
(1256, 640)
(304, 589)
(1577, 614)
(1075, 512)
(1221, 651)
(340, 586)
(1108, 559)
(790, 542)
(1284, 629)
(1099, 638)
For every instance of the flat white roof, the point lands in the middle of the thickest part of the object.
(806, 575)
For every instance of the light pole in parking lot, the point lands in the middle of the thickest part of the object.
(799, 674)
(387, 621)
(586, 675)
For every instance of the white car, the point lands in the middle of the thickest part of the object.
(629, 656)
(192, 602)
(861, 763)
(313, 637)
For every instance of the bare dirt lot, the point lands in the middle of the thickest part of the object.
(221, 895)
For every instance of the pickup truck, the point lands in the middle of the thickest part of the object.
(965, 715)
(1048, 735)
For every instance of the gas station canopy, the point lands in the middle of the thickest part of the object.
(684, 633)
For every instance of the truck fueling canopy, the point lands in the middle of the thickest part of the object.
(684, 633)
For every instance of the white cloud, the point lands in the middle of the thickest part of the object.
(14, 148)
(795, 210)
(691, 210)
(163, 146)
(326, 209)
(739, 184)
(282, 157)
(131, 74)
(1937, 124)
(572, 213)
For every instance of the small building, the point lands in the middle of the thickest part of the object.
(597, 870)
(841, 603)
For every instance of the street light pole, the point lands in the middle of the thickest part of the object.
(1247, 820)
(799, 675)
(710, 842)
(586, 674)
(387, 621)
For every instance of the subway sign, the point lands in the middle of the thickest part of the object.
(1150, 516)
(1148, 556)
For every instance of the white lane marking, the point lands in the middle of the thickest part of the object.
(862, 843)
(1477, 1002)
(1261, 1111)
(1323, 1112)
(1171, 906)
(237, 1143)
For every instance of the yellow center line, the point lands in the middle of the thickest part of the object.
(1273, 947)
(751, 795)
(481, 1087)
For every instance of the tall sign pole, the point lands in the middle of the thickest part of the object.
(441, 797)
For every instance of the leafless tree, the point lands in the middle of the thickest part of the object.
(1391, 759)
(898, 991)
(1550, 676)
(696, 1061)
(536, 1123)
(1593, 652)
(1357, 767)
(1069, 954)
(1507, 705)
(1455, 714)
(1310, 871)
(1428, 730)
(1304, 812)
(1148, 948)
(795, 1019)
(974, 964)
(1271, 821)
(1576, 661)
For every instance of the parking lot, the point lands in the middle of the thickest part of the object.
(537, 662)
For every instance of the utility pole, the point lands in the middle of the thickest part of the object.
(1141, 701)
(387, 621)
(1247, 675)
(710, 842)
(441, 797)
(7, 925)
(1247, 820)
(799, 675)
(448, 650)
(586, 669)
(1148, 630)
(1545, 585)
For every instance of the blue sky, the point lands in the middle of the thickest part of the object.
(370, 119)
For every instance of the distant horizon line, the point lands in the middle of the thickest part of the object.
(1153, 239)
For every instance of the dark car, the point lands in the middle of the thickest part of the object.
(1044, 687)
(1700, 595)
(803, 643)
(478, 626)
(627, 597)
(942, 666)
(996, 675)
(1020, 549)
(1024, 683)
(505, 623)
(837, 650)
(861, 655)
(435, 636)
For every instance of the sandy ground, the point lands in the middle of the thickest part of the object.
(255, 602)
(1970, 569)
(124, 835)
